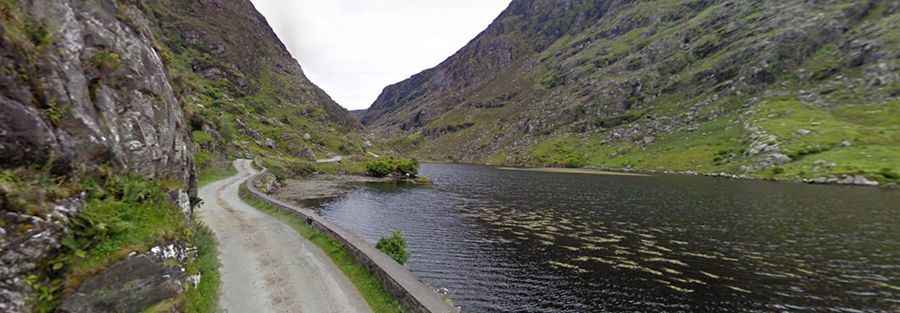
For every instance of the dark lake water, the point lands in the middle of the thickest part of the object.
(513, 241)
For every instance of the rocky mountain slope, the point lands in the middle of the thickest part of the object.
(783, 89)
(108, 112)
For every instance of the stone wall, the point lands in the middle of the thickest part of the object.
(414, 295)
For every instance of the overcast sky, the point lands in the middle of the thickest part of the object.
(354, 48)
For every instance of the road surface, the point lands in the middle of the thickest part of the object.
(266, 265)
(331, 160)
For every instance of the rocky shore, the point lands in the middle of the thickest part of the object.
(308, 192)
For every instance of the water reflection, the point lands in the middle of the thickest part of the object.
(510, 241)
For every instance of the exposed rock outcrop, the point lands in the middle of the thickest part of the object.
(94, 91)
(136, 283)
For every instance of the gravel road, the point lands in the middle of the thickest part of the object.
(266, 265)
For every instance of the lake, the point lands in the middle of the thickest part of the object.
(517, 241)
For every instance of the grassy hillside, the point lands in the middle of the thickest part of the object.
(243, 102)
(782, 89)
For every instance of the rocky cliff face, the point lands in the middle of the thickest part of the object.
(109, 107)
(634, 84)
(82, 88)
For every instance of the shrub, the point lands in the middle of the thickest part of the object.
(226, 128)
(552, 80)
(38, 34)
(106, 61)
(202, 158)
(408, 168)
(379, 168)
(201, 137)
(574, 161)
(889, 173)
(394, 246)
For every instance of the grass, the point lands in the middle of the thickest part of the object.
(872, 132)
(848, 140)
(204, 298)
(122, 214)
(214, 174)
(379, 300)
(709, 148)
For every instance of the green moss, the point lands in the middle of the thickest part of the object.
(379, 300)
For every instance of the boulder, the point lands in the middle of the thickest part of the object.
(134, 284)
(307, 154)
(23, 253)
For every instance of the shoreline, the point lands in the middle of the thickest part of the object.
(411, 293)
(846, 180)
(311, 192)
(572, 171)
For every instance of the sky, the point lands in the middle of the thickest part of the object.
(354, 48)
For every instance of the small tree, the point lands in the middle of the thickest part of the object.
(394, 246)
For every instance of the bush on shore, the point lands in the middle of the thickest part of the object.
(394, 246)
(403, 168)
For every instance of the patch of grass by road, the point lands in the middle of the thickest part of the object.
(204, 298)
(214, 174)
(379, 300)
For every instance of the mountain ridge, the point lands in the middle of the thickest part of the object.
(635, 85)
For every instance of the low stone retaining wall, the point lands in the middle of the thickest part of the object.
(415, 296)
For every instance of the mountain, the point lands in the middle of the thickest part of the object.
(776, 89)
(358, 114)
(109, 111)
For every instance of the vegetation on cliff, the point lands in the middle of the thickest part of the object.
(246, 102)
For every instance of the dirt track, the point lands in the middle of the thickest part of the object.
(266, 265)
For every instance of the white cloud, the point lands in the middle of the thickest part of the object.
(354, 48)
